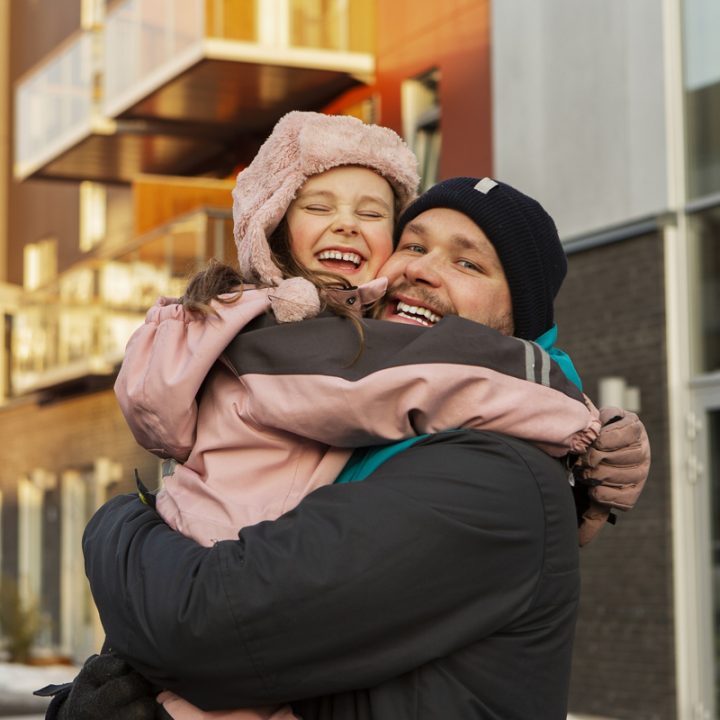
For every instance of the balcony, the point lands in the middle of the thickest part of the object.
(184, 86)
(71, 336)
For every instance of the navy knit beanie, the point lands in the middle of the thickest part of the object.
(523, 234)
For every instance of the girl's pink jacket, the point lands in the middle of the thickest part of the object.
(251, 441)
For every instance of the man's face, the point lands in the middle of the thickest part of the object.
(444, 264)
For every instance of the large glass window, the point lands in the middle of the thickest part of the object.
(332, 24)
(705, 236)
(714, 444)
(702, 95)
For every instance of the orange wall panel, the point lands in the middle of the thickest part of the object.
(454, 36)
(158, 199)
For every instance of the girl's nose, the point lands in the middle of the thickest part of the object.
(345, 222)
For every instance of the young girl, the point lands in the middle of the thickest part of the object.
(258, 419)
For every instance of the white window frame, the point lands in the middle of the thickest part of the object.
(421, 113)
(31, 497)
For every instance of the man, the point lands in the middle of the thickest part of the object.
(445, 585)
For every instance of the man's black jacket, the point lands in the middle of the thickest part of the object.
(443, 586)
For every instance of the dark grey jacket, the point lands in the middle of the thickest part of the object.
(443, 586)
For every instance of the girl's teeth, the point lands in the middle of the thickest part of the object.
(337, 255)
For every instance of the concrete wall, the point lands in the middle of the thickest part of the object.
(579, 107)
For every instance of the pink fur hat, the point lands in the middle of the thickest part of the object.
(303, 144)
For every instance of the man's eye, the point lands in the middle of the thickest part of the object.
(412, 247)
(469, 265)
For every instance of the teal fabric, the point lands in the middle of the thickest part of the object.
(547, 343)
(366, 460)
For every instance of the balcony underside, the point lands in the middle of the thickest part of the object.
(247, 96)
(209, 118)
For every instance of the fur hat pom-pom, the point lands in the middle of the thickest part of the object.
(294, 299)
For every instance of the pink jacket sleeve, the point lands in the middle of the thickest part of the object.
(403, 402)
(166, 361)
(408, 382)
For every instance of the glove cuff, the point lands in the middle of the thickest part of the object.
(55, 709)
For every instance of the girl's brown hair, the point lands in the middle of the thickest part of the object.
(221, 279)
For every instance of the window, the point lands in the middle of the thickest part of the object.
(1, 533)
(320, 24)
(39, 263)
(704, 229)
(714, 448)
(93, 215)
(30, 502)
(76, 609)
(702, 95)
(6, 324)
(92, 13)
(421, 124)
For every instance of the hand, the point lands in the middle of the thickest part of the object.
(592, 522)
(106, 688)
(615, 468)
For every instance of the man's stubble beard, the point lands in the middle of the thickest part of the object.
(503, 323)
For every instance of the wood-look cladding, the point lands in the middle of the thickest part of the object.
(157, 199)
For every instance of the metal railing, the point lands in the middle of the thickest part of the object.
(147, 42)
(81, 323)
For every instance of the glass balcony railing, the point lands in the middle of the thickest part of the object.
(54, 105)
(147, 90)
(149, 42)
(80, 325)
(144, 39)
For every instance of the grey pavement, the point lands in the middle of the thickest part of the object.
(11, 709)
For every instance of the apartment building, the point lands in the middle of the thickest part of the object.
(130, 118)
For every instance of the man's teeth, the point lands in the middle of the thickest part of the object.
(417, 313)
(354, 258)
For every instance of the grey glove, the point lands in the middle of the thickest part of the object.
(106, 688)
(615, 468)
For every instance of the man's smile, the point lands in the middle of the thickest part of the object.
(423, 315)
(407, 309)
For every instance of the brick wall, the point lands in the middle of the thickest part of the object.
(611, 318)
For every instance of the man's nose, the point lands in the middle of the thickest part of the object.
(423, 270)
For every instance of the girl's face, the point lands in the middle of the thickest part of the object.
(342, 222)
